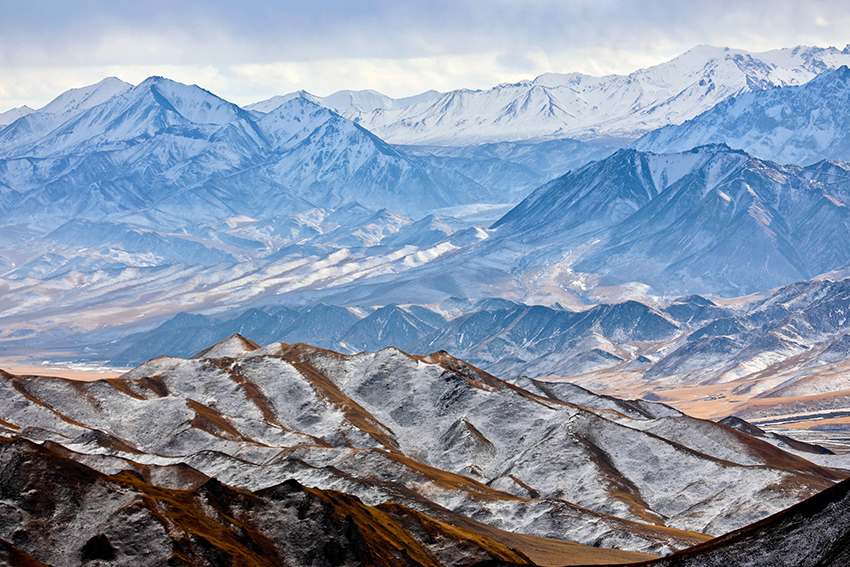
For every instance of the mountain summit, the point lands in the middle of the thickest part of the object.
(708, 220)
(796, 124)
(573, 105)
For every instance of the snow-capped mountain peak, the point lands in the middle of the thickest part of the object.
(33, 125)
(143, 111)
(268, 105)
(795, 124)
(195, 104)
(11, 115)
(293, 120)
(75, 101)
(580, 106)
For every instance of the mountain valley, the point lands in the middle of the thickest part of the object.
(569, 320)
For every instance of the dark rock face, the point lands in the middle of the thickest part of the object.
(59, 512)
(98, 547)
(815, 532)
(11, 555)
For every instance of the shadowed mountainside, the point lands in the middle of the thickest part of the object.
(66, 513)
(815, 532)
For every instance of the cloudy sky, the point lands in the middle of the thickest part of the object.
(247, 51)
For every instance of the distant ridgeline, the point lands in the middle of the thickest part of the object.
(806, 321)
(119, 202)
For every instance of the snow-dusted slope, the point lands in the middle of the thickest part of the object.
(426, 432)
(584, 107)
(169, 153)
(711, 219)
(34, 124)
(85, 516)
(799, 124)
(344, 102)
(812, 533)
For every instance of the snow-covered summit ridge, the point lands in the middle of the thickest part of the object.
(113, 111)
(31, 125)
(77, 100)
(11, 115)
(581, 106)
(186, 153)
(346, 101)
(794, 124)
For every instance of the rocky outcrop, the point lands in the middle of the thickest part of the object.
(58, 512)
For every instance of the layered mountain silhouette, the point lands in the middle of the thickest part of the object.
(786, 350)
(688, 336)
(292, 224)
(168, 152)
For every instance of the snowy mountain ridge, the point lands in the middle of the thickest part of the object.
(428, 432)
(584, 107)
(34, 124)
(164, 153)
(10, 116)
(346, 101)
(707, 220)
(795, 124)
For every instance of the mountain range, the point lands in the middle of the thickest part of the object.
(560, 463)
(802, 124)
(133, 204)
(614, 107)
(776, 354)
(616, 291)
(163, 153)
(709, 221)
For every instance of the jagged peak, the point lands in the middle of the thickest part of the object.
(270, 105)
(300, 102)
(80, 99)
(231, 347)
(842, 73)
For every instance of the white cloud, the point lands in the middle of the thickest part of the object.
(249, 51)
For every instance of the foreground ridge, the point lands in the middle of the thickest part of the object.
(432, 435)
(814, 532)
(210, 524)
